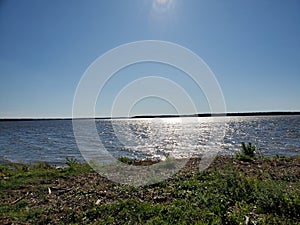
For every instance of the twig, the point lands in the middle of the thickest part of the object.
(19, 199)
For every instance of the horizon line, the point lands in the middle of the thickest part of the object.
(255, 113)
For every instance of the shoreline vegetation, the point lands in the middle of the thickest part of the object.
(243, 189)
(276, 113)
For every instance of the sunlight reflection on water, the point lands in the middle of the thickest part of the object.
(53, 140)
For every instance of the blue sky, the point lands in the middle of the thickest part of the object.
(253, 48)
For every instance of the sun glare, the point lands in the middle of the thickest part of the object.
(162, 6)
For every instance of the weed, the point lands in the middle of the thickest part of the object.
(248, 152)
(126, 160)
(72, 162)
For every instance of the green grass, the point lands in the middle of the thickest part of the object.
(223, 194)
(16, 175)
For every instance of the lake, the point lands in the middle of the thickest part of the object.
(52, 141)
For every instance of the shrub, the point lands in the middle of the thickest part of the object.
(248, 151)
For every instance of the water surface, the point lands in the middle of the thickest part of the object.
(53, 140)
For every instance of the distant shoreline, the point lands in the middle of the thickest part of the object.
(165, 116)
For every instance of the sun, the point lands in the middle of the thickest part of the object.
(161, 1)
(162, 6)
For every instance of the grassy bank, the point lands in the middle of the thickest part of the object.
(230, 191)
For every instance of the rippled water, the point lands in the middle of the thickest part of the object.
(53, 140)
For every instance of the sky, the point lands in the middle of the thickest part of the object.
(252, 47)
